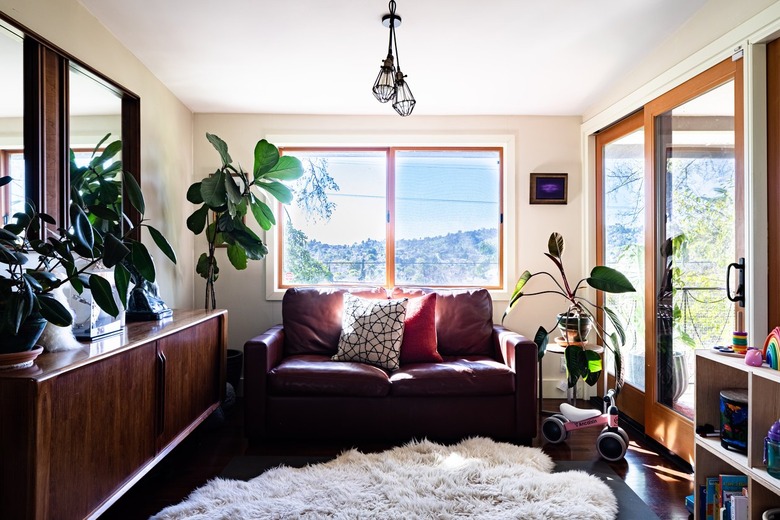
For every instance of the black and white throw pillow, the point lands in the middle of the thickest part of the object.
(372, 331)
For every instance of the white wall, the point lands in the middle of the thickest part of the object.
(166, 126)
(542, 144)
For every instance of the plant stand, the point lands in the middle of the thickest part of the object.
(571, 394)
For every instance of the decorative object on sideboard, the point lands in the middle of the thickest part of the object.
(390, 83)
(549, 188)
(101, 185)
(228, 195)
(580, 362)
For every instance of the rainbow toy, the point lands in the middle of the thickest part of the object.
(772, 348)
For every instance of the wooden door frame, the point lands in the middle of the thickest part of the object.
(661, 423)
(631, 399)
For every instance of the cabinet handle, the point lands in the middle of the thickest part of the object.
(161, 392)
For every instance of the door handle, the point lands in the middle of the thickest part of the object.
(739, 294)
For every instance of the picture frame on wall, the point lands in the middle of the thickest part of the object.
(549, 188)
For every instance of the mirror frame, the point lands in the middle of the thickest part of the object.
(46, 128)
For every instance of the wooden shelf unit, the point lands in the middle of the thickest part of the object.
(80, 428)
(715, 372)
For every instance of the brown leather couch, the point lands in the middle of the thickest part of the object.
(486, 384)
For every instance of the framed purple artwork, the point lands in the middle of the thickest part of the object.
(549, 188)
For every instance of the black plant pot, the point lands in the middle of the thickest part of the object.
(574, 328)
(24, 341)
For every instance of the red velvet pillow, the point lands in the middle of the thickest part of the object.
(419, 343)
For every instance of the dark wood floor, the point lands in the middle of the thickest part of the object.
(660, 482)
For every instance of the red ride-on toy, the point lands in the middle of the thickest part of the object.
(613, 440)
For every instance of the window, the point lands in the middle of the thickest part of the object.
(12, 195)
(394, 216)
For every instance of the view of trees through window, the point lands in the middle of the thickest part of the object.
(437, 225)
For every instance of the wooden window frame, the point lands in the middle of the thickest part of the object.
(390, 152)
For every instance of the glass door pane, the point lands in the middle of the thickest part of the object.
(624, 243)
(695, 180)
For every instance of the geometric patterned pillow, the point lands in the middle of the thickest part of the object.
(372, 331)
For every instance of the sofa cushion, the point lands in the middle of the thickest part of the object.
(464, 320)
(314, 375)
(311, 317)
(465, 376)
(419, 344)
(372, 331)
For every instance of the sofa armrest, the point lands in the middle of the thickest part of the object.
(521, 355)
(261, 354)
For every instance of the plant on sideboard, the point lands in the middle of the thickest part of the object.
(580, 317)
(226, 196)
(98, 188)
(38, 256)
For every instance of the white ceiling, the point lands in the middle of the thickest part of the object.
(548, 57)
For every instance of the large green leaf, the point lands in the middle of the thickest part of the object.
(232, 189)
(6, 180)
(103, 295)
(114, 250)
(517, 292)
(122, 282)
(266, 157)
(197, 221)
(108, 152)
(193, 193)
(221, 147)
(54, 312)
(237, 256)
(555, 245)
(82, 231)
(616, 323)
(212, 189)
(288, 168)
(541, 338)
(264, 215)
(162, 243)
(252, 244)
(142, 261)
(202, 267)
(609, 280)
(278, 190)
(134, 193)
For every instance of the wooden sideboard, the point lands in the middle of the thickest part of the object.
(81, 427)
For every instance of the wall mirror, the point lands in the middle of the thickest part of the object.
(12, 196)
(50, 103)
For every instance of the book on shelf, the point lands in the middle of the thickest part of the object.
(712, 505)
(739, 507)
(730, 485)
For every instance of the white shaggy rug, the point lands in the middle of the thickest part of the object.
(477, 478)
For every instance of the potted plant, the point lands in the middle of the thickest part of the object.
(97, 187)
(578, 320)
(37, 256)
(226, 196)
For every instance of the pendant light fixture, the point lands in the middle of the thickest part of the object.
(390, 84)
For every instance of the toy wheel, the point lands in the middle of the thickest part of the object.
(620, 432)
(611, 446)
(553, 429)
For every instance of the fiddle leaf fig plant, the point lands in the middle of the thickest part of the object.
(227, 196)
(580, 315)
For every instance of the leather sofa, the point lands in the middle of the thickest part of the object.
(485, 384)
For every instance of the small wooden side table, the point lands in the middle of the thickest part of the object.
(571, 394)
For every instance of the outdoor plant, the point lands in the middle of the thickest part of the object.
(580, 362)
(227, 196)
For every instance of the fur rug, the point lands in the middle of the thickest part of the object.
(477, 478)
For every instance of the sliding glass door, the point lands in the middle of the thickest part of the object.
(676, 227)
